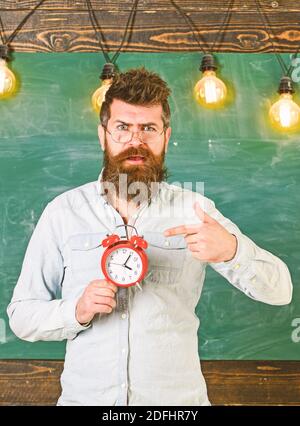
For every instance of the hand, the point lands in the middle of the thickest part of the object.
(97, 298)
(208, 241)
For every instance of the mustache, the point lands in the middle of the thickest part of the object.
(133, 151)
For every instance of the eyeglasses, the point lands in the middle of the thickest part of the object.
(124, 136)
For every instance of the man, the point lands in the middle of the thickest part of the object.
(145, 351)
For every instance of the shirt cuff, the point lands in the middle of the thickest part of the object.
(245, 253)
(69, 317)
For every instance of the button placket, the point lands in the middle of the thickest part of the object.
(123, 347)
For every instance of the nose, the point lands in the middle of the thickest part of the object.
(136, 139)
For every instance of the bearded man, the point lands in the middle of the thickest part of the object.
(145, 351)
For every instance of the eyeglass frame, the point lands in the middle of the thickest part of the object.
(132, 133)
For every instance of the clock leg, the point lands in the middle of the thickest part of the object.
(139, 287)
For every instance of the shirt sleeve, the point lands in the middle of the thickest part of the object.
(258, 273)
(34, 312)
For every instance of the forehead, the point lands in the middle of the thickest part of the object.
(128, 113)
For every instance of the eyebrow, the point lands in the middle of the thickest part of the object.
(140, 124)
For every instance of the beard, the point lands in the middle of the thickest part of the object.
(141, 180)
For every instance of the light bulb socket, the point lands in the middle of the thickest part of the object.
(108, 71)
(207, 63)
(4, 52)
(286, 85)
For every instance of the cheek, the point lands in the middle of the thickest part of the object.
(115, 149)
(157, 149)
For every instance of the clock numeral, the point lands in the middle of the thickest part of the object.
(135, 272)
(124, 251)
(135, 259)
(123, 278)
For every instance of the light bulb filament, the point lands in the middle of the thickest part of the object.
(7, 80)
(2, 81)
(210, 91)
(285, 113)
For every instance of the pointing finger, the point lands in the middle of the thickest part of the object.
(182, 230)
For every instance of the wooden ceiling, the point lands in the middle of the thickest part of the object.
(64, 26)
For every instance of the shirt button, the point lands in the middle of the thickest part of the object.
(123, 351)
(167, 243)
(123, 385)
(236, 266)
(124, 316)
(86, 244)
(253, 280)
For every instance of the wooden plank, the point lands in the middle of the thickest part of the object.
(64, 26)
(36, 382)
(213, 5)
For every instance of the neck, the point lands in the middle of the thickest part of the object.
(125, 208)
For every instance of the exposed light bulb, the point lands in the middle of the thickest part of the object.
(285, 113)
(107, 76)
(99, 95)
(7, 80)
(210, 91)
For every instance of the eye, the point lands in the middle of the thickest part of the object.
(122, 127)
(149, 129)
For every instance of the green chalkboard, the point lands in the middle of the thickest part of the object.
(48, 140)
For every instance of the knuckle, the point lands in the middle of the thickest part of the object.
(94, 283)
(109, 292)
(107, 300)
(108, 309)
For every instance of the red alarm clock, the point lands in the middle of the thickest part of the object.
(124, 262)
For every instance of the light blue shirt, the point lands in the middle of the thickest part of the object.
(147, 353)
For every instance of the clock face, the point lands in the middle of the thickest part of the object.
(124, 266)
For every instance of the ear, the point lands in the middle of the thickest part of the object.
(101, 135)
(168, 135)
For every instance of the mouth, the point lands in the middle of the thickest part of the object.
(135, 159)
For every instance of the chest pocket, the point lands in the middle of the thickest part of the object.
(166, 257)
(85, 253)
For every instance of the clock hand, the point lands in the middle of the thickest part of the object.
(113, 263)
(120, 264)
(127, 267)
(127, 259)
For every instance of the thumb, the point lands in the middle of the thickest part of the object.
(203, 216)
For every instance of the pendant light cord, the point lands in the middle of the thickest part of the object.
(195, 31)
(99, 33)
(7, 41)
(285, 70)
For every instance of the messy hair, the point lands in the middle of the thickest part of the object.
(138, 87)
